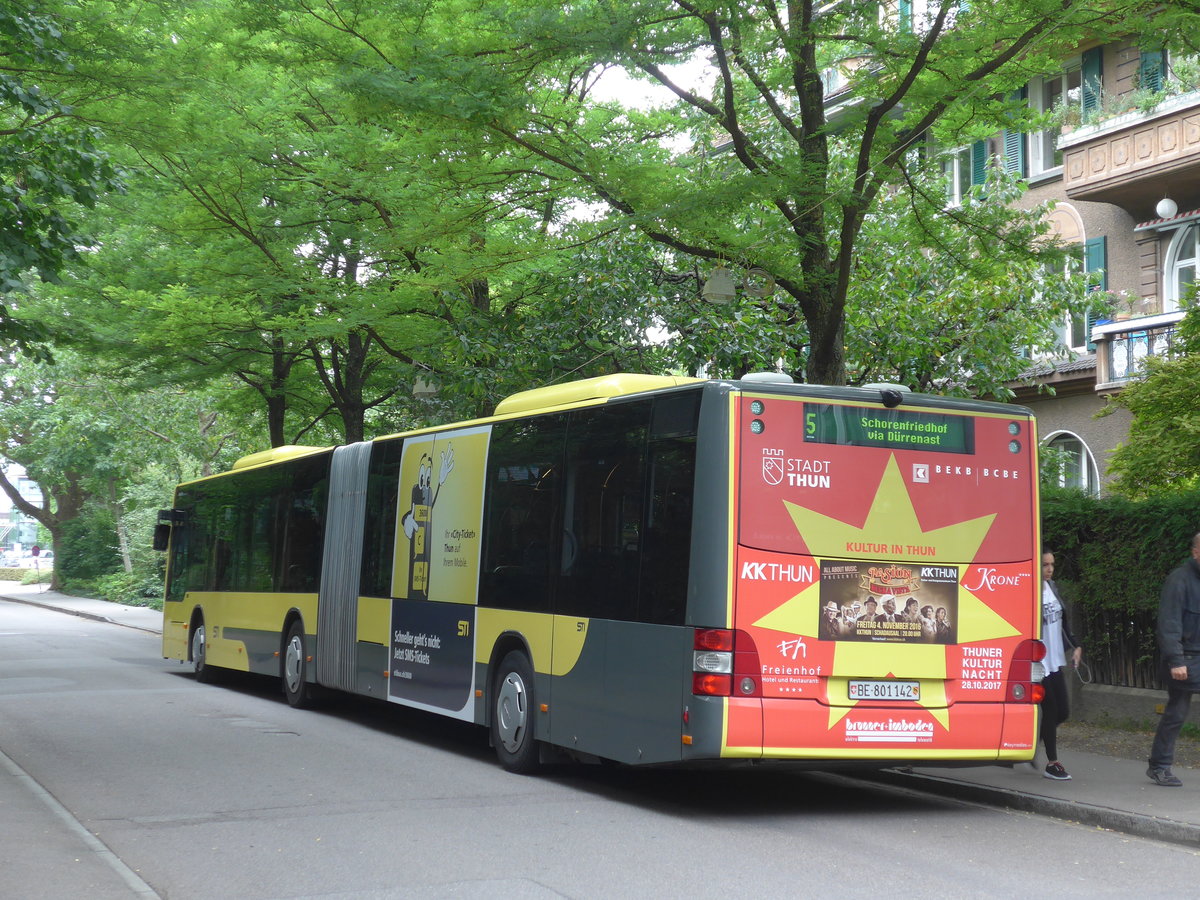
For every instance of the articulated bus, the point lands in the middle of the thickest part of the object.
(643, 569)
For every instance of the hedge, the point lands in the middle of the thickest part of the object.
(1111, 557)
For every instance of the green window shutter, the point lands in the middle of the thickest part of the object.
(1014, 144)
(978, 163)
(1095, 259)
(1014, 152)
(1151, 69)
(1093, 80)
(905, 9)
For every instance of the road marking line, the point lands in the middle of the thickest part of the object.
(130, 877)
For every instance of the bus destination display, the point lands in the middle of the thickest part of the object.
(898, 429)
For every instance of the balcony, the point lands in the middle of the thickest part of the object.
(1136, 158)
(1122, 347)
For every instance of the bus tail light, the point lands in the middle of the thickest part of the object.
(724, 663)
(712, 662)
(1026, 672)
(711, 685)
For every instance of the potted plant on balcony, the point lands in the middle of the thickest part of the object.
(1124, 305)
(1068, 116)
(1185, 73)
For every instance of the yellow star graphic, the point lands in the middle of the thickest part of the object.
(892, 521)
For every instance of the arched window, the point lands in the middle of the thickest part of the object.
(1070, 463)
(1183, 256)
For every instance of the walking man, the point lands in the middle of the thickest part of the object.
(1178, 641)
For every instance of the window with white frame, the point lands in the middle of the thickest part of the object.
(918, 15)
(963, 168)
(1071, 463)
(833, 80)
(1078, 333)
(1076, 93)
(1074, 331)
(1183, 256)
(1062, 91)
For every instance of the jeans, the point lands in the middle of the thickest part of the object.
(1162, 753)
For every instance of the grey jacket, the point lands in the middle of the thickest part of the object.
(1178, 629)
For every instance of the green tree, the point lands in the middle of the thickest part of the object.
(51, 165)
(277, 232)
(771, 179)
(941, 303)
(1161, 455)
(72, 427)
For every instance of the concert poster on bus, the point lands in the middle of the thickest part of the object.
(888, 602)
(435, 575)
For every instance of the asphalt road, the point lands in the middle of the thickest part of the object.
(122, 777)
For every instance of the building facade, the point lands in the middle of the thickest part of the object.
(1122, 163)
(18, 532)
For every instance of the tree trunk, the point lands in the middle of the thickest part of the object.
(67, 500)
(118, 513)
(827, 351)
(276, 410)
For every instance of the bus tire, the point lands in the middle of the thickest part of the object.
(200, 668)
(294, 667)
(513, 714)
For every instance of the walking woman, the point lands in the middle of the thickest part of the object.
(1059, 641)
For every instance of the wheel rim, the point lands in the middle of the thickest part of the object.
(293, 663)
(512, 712)
(198, 648)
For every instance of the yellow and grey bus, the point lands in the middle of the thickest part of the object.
(644, 569)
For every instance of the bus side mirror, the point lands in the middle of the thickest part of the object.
(162, 535)
(162, 531)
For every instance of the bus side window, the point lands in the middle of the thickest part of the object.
(522, 525)
(666, 550)
(667, 533)
(301, 526)
(379, 530)
(605, 480)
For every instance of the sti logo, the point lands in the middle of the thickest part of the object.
(772, 466)
(920, 473)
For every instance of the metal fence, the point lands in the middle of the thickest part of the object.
(1120, 648)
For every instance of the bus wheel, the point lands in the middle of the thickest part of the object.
(295, 667)
(513, 714)
(200, 667)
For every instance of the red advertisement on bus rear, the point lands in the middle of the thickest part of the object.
(884, 569)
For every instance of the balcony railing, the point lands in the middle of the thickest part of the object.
(1123, 347)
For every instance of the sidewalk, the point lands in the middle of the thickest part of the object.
(101, 610)
(1104, 792)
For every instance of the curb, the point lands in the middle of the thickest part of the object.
(1106, 817)
(95, 617)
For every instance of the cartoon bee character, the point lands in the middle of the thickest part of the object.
(419, 518)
